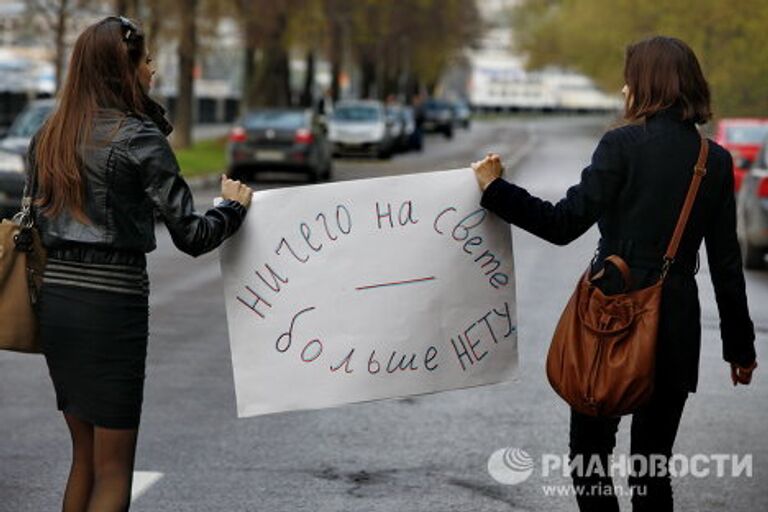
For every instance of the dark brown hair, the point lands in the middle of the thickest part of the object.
(103, 73)
(663, 72)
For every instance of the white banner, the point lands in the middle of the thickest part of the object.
(369, 289)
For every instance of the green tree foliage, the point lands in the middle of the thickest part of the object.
(590, 36)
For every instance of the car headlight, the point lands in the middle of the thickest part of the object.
(11, 162)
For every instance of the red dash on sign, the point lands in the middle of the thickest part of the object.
(396, 283)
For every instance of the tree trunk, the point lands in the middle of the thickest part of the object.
(336, 56)
(412, 88)
(367, 76)
(60, 41)
(129, 8)
(153, 25)
(249, 78)
(308, 94)
(382, 72)
(250, 30)
(272, 83)
(186, 53)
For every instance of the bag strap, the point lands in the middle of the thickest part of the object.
(621, 266)
(699, 171)
(25, 218)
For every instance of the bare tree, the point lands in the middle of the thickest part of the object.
(187, 50)
(130, 8)
(338, 18)
(55, 16)
(266, 77)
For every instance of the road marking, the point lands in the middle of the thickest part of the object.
(142, 481)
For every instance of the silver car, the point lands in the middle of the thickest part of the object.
(13, 149)
(752, 212)
(361, 127)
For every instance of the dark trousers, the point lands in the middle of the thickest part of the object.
(654, 428)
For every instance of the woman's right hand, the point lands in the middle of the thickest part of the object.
(487, 170)
(236, 191)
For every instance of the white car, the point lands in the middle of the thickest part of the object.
(361, 127)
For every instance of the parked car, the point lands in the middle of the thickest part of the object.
(414, 140)
(361, 127)
(752, 212)
(404, 124)
(290, 140)
(396, 125)
(439, 117)
(463, 114)
(13, 150)
(742, 137)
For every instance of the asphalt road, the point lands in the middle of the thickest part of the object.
(417, 454)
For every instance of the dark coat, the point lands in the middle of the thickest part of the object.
(634, 189)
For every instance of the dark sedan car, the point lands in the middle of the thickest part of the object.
(13, 148)
(279, 140)
(752, 212)
(439, 116)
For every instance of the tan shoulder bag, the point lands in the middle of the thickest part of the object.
(22, 261)
(602, 357)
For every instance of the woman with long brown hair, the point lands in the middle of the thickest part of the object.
(100, 168)
(634, 189)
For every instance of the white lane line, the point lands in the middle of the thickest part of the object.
(142, 481)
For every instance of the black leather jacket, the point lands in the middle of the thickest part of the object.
(131, 173)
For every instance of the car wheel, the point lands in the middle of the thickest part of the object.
(314, 175)
(328, 173)
(448, 133)
(754, 257)
(383, 153)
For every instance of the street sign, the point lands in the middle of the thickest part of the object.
(368, 289)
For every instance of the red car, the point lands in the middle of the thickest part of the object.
(743, 138)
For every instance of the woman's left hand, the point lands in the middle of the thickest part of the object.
(742, 375)
(487, 170)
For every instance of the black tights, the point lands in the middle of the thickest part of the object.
(102, 468)
(654, 428)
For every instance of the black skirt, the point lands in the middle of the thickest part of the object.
(95, 344)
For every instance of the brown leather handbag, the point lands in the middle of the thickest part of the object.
(22, 261)
(602, 357)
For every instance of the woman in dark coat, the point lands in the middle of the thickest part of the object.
(100, 169)
(634, 189)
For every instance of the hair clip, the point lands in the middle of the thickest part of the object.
(130, 27)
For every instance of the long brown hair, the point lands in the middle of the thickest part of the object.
(663, 72)
(103, 73)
